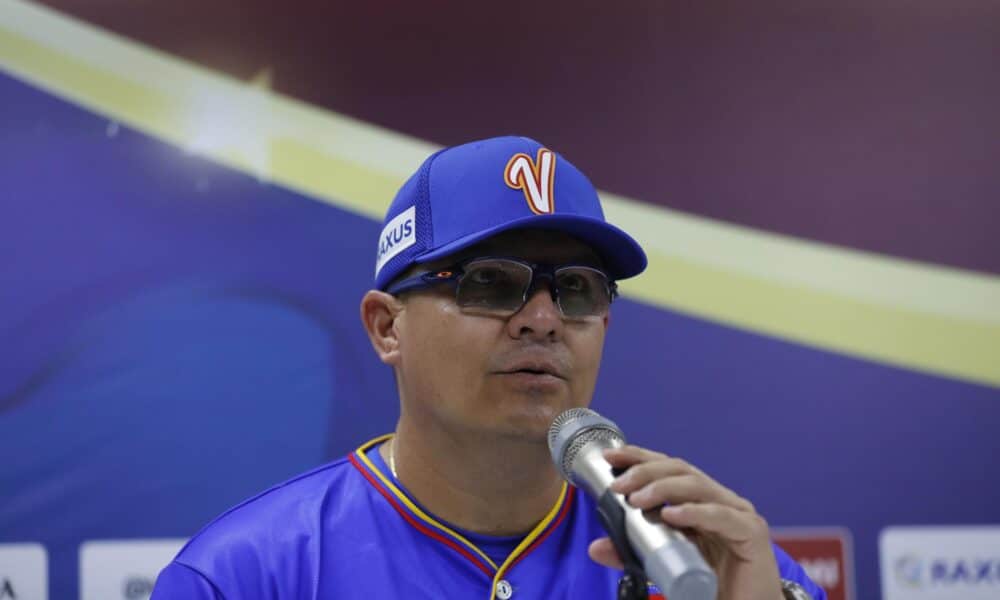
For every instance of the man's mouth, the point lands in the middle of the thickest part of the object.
(535, 368)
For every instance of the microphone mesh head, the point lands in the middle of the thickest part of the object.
(565, 417)
(575, 429)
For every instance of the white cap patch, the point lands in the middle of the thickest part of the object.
(399, 234)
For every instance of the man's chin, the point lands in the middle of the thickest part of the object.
(531, 425)
(524, 416)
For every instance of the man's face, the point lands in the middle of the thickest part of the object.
(502, 376)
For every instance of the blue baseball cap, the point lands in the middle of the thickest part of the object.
(464, 194)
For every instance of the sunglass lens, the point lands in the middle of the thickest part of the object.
(583, 292)
(493, 285)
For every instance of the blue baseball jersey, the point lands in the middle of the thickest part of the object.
(349, 530)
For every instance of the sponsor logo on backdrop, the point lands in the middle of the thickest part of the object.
(138, 587)
(826, 556)
(23, 572)
(123, 569)
(907, 570)
(917, 573)
(940, 563)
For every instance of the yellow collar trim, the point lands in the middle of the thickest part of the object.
(361, 453)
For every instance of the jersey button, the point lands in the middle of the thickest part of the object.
(504, 590)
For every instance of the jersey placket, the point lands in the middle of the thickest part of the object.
(441, 533)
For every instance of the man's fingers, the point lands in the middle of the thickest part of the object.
(672, 490)
(640, 474)
(626, 456)
(735, 527)
(658, 479)
(603, 552)
(681, 489)
(642, 466)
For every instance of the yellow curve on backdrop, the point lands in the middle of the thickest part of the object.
(903, 313)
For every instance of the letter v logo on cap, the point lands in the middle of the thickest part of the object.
(535, 178)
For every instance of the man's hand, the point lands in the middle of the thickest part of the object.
(732, 537)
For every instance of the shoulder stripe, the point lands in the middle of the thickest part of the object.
(541, 531)
(413, 514)
(570, 495)
(436, 530)
(417, 525)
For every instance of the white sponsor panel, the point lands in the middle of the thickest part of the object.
(940, 563)
(123, 569)
(24, 571)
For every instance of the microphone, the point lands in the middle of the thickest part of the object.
(670, 560)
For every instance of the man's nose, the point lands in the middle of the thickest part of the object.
(539, 317)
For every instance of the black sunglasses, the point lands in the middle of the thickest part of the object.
(498, 286)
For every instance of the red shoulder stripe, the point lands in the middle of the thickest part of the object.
(417, 524)
(570, 495)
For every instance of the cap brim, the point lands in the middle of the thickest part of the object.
(622, 255)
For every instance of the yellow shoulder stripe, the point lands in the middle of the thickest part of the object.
(413, 508)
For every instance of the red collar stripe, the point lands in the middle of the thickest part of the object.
(570, 494)
(488, 571)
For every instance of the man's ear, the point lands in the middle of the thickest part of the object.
(379, 311)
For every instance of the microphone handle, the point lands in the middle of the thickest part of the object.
(668, 558)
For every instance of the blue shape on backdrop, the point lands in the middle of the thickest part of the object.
(177, 335)
(164, 405)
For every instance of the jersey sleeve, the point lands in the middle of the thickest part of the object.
(793, 571)
(178, 581)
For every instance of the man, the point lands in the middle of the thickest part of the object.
(494, 277)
